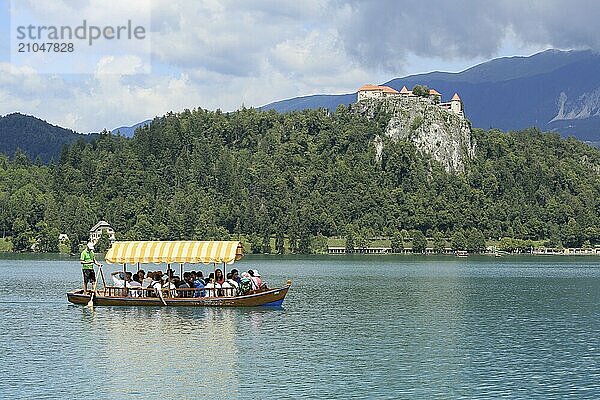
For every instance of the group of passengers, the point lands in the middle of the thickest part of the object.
(193, 284)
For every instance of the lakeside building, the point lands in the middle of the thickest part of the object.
(382, 250)
(572, 251)
(102, 226)
(489, 250)
(369, 91)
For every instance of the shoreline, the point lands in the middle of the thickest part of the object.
(75, 257)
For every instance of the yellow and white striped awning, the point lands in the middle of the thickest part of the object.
(175, 252)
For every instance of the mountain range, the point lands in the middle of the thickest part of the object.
(553, 90)
(128, 131)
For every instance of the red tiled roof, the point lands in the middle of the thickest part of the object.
(434, 92)
(455, 97)
(404, 90)
(369, 87)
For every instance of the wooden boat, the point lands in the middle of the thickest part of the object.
(461, 253)
(269, 298)
(182, 252)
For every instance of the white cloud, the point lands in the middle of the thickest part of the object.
(122, 65)
(222, 54)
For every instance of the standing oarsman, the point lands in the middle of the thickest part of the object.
(88, 260)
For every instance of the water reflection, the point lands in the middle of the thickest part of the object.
(192, 351)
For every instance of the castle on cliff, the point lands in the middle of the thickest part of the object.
(455, 105)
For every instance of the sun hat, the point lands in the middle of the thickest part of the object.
(256, 273)
(90, 245)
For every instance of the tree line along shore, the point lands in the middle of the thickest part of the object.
(301, 178)
(397, 244)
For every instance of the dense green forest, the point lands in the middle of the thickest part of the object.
(301, 176)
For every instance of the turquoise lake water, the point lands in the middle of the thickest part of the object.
(351, 327)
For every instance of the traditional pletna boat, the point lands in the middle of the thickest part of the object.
(175, 252)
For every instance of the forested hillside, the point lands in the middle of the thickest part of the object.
(35, 137)
(202, 175)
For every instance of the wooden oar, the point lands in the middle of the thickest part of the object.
(91, 302)
(103, 280)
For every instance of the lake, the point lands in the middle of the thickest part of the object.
(373, 327)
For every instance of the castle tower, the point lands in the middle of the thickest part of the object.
(456, 104)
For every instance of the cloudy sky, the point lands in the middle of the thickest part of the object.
(225, 54)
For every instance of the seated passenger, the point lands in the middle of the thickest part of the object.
(170, 273)
(147, 281)
(118, 278)
(157, 282)
(236, 276)
(246, 285)
(179, 283)
(255, 277)
(198, 283)
(233, 282)
(229, 287)
(219, 278)
(168, 283)
(185, 284)
(135, 283)
(212, 287)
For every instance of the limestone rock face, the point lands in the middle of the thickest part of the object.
(445, 136)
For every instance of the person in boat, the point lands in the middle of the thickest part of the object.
(186, 283)
(88, 260)
(136, 285)
(119, 278)
(157, 282)
(212, 286)
(246, 284)
(198, 283)
(177, 281)
(170, 273)
(219, 278)
(230, 287)
(255, 277)
(168, 283)
(140, 274)
(147, 281)
(235, 275)
(188, 279)
(124, 280)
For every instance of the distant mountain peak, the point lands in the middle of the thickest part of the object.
(128, 131)
(508, 92)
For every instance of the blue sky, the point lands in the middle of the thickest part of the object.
(225, 54)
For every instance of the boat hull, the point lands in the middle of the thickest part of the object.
(268, 298)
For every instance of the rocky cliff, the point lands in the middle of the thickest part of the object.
(435, 131)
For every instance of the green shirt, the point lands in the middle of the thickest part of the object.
(87, 258)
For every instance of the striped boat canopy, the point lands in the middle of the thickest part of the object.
(157, 252)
